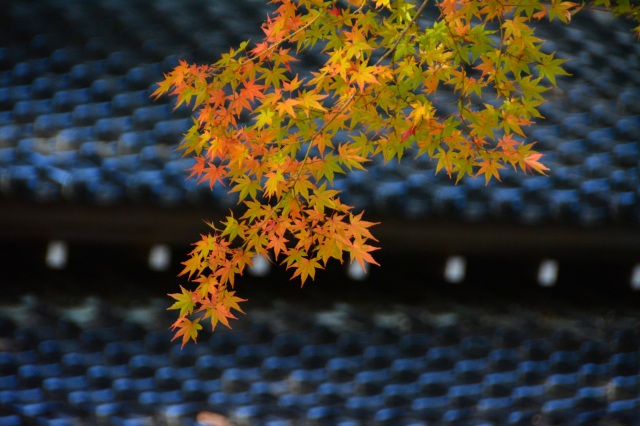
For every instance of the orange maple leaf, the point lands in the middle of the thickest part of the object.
(287, 106)
(349, 156)
(252, 91)
(360, 228)
(489, 168)
(187, 329)
(361, 253)
(532, 162)
(213, 174)
(507, 144)
(278, 243)
(260, 48)
(306, 268)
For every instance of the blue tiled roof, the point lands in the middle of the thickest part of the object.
(77, 124)
(97, 363)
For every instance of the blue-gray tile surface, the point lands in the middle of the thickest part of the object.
(98, 363)
(77, 125)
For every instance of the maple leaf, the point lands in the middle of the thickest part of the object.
(275, 76)
(252, 91)
(198, 168)
(286, 106)
(507, 144)
(489, 168)
(230, 300)
(246, 186)
(408, 133)
(540, 14)
(218, 312)
(511, 122)
(420, 111)
(185, 301)
(278, 243)
(265, 117)
(213, 174)
(305, 268)
(207, 285)
(331, 248)
(260, 48)
(310, 101)
(274, 183)
(163, 86)
(487, 66)
(361, 253)
(193, 265)
(562, 10)
(355, 43)
(350, 158)
(532, 162)
(448, 7)
(549, 68)
(232, 228)
(292, 85)
(444, 161)
(365, 74)
(323, 198)
(187, 329)
(360, 228)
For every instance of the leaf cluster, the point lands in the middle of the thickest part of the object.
(457, 80)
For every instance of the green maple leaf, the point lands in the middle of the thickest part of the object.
(549, 68)
(184, 302)
(231, 228)
(330, 167)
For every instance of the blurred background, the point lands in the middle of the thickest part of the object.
(512, 303)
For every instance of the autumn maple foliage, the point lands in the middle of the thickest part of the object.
(277, 138)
